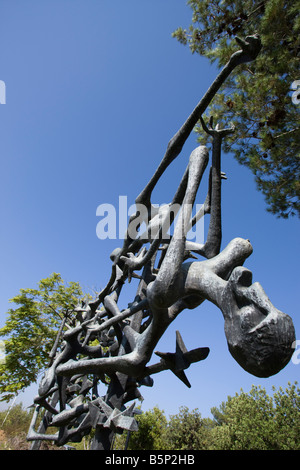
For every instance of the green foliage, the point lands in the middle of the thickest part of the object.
(247, 421)
(14, 424)
(257, 99)
(256, 421)
(15, 420)
(188, 431)
(30, 331)
(152, 429)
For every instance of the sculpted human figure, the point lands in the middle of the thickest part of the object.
(259, 336)
(112, 346)
(247, 312)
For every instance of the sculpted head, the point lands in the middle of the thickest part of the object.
(259, 337)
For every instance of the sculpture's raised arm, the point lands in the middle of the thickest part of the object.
(250, 48)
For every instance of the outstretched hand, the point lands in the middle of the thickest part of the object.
(251, 47)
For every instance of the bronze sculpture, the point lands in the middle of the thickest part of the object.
(106, 345)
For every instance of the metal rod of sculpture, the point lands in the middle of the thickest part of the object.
(259, 336)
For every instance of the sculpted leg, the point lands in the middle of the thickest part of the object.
(163, 291)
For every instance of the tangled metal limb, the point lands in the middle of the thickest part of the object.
(103, 346)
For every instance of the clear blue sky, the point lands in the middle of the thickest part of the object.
(94, 91)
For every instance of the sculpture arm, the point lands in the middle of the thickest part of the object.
(163, 289)
(250, 48)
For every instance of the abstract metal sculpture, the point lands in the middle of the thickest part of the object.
(104, 344)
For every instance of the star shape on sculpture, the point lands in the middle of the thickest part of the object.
(112, 418)
(182, 358)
